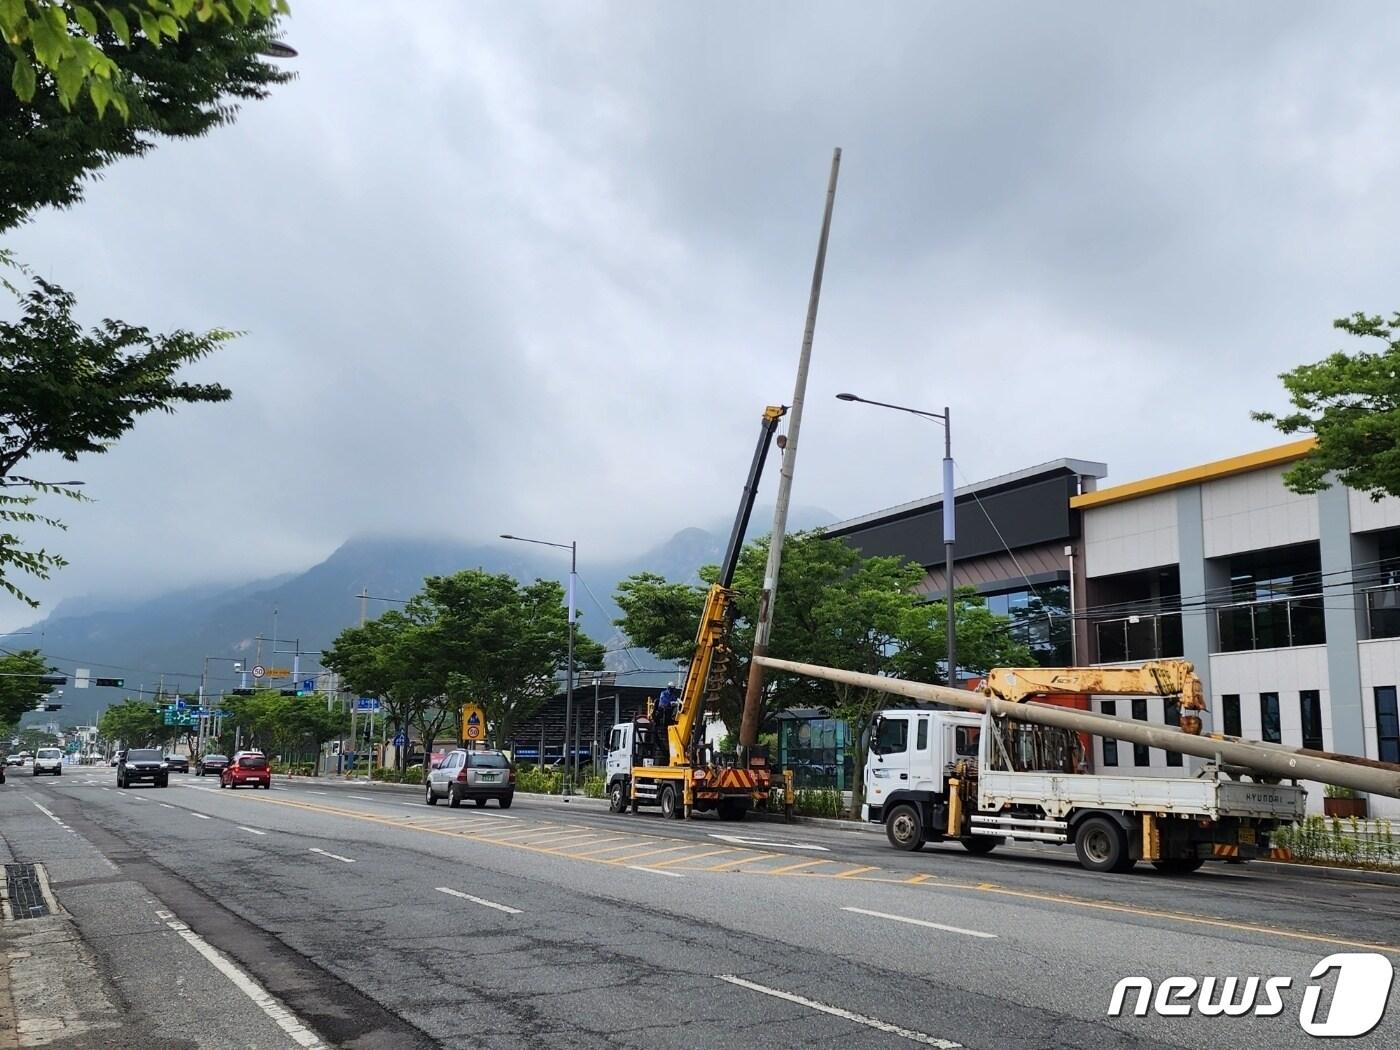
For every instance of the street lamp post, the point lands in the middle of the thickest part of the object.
(572, 548)
(949, 518)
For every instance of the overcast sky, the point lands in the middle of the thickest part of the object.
(537, 268)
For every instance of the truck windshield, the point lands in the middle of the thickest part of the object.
(891, 737)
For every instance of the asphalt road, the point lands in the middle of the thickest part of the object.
(374, 920)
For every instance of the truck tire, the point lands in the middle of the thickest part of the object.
(732, 810)
(670, 805)
(980, 844)
(905, 828)
(1102, 845)
(1178, 865)
(617, 796)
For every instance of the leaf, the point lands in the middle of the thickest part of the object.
(69, 76)
(101, 91)
(23, 79)
(150, 27)
(170, 27)
(86, 19)
(120, 26)
(49, 43)
(244, 8)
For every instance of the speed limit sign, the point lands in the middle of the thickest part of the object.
(259, 670)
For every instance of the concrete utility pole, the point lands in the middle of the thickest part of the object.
(763, 629)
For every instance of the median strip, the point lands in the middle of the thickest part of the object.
(479, 900)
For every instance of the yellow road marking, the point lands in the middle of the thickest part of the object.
(918, 879)
(695, 856)
(609, 849)
(565, 851)
(854, 871)
(979, 887)
(722, 865)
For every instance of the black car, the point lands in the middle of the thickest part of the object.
(177, 763)
(142, 763)
(210, 764)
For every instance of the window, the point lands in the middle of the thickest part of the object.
(965, 740)
(1230, 712)
(615, 740)
(892, 736)
(1310, 702)
(1172, 710)
(488, 760)
(1142, 754)
(1110, 747)
(1387, 724)
(253, 762)
(922, 743)
(1269, 728)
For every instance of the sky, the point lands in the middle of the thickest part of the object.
(537, 267)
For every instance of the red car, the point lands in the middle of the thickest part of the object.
(246, 768)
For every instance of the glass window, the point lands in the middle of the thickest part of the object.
(1142, 754)
(1270, 728)
(892, 736)
(488, 760)
(921, 744)
(1230, 713)
(1387, 724)
(1305, 622)
(1310, 701)
(965, 740)
(1171, 709)
(1110, 746)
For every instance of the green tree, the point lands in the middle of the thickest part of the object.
(33, 738)
(1351, 402)
(20, 691)
(136, 723)
(65, 392)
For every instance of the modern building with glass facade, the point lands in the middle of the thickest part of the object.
(1288, 605)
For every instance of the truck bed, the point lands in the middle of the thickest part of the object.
(1060, 793)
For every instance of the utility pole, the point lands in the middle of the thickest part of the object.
(763, 628)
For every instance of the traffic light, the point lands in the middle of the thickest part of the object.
(115, 683)
(242, 692)
(53, 679)
(289, 692)
(53, 707)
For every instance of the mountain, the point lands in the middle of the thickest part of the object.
(164, 641)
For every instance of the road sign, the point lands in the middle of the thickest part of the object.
(367, 704)
(473, 724)
(81, 678)
(399, 740)
(279, 672)
(259, 670)
(309, 684)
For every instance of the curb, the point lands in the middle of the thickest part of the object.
(1325, 871)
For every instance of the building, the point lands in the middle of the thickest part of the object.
(1288, 605)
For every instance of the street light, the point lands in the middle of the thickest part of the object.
(572, 548)
(949, 529)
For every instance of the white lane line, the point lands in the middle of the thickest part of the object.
(654, 871)
(266, 1002)
(333, 856)
(319, 792)
(167, 805)
(836, 1011)
(362, 798)
(920, 922)
(479, 900)
(106, 789)
(251, 831)
(201, 816)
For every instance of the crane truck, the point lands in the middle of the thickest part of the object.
(660, 757)
(1008, 767)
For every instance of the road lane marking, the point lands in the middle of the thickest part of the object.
(654, 871)
(695, 856)
(167, 805)
(362, 798)
(265, 1001)
(856, 871)
(921, 922)
(201, 816)
(795, 867)
(754, 855)
(480, 900)
(251, 831)
(648, 853)
(836, 1011)
(333, 856)
(608, 849)
(320, 792)
(742, 841)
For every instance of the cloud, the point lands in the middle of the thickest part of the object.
(537, 268)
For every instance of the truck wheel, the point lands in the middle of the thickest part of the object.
(1178, 865)
(731, 810)
(1102, 845)
(981, 843)
(617, 796)
(668, 802)
(905, 828)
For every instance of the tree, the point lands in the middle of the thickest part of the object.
(136, 723)
(62, 48)
(66, 392)
(33, 738)
(1351, 402)
(835, 607)
(20, 691)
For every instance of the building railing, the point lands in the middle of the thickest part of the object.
(1274, 623)
(1145, 636)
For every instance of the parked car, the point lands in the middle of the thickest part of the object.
(210, 764)
(247, 767)
(477, 775)
(117, 757)
(177, 763)
(48, 760)
(14, 760)
(142, 763)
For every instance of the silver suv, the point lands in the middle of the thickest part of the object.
(477, 775)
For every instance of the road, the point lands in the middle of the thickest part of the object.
(324, 914)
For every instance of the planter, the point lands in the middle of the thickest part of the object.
(1344, 807)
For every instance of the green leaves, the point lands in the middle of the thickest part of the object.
(1351, 403)
(23, 79)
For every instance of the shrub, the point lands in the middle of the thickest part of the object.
(819, 802)
(1323, 840)
(293, 769)
(537, 781)
(593, 786)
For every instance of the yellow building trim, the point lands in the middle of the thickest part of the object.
(1220, 468)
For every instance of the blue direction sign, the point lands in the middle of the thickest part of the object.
(399, 740)
(366, 704)
(309, 684)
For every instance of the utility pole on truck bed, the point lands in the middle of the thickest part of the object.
(763, 628)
